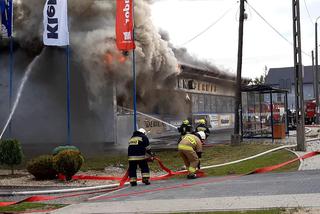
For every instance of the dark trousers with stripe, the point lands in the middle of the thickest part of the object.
(143, 164)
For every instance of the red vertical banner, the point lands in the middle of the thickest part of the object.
(124, 25)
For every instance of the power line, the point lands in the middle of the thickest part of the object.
(208, 28)
(305, 4)
(273, 28)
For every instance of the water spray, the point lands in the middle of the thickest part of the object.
(21, 87)
(154, 118)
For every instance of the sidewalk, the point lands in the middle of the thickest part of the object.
(313, 162)
(198, 205)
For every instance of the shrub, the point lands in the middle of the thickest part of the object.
(63, 148)
(68, 163)
(42, 167)
(10, 153)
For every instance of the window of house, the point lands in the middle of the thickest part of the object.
(279, 97)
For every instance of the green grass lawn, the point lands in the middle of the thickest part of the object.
(29, 207)
(212, 155)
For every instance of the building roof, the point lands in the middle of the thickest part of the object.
(276, 75)
(205, 71)
(262, 89)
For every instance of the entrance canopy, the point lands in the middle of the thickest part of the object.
(264, 112)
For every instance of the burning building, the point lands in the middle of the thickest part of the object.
(101, 80)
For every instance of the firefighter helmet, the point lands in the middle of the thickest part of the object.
(202, 121)
(142, 130)
(202, 135)
(186, 122)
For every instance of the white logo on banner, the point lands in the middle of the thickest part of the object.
(55, 23)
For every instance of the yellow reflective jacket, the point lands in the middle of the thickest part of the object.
(190, 142)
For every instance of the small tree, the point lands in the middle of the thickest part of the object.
(68, 163)
(42, 167)
(258, 80)
(10, 153)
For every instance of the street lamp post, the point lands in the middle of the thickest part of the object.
(317, 72)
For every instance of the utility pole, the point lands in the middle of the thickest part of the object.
(317, 73)
(298, 76)
(236, 138)
(314, 78)
(315, 87)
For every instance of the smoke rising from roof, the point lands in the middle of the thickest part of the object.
(92, 37)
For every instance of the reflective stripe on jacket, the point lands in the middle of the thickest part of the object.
(136, 158)
(138, 146)
(190, 142)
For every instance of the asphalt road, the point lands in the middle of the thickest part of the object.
(301, 182)
(296, 189)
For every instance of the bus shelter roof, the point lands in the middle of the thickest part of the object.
(263, 89)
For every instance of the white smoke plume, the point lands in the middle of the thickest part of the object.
(92, 37)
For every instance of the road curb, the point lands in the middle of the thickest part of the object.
(298, 156)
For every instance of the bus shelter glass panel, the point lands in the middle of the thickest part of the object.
(256, 115)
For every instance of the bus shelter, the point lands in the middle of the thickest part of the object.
(264, 112)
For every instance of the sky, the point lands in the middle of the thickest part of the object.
(263, 47)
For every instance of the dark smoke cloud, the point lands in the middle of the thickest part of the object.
(92, 36)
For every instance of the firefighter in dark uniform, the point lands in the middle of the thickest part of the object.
(203, 127)
(137, 155)
(190, 150)
(185, 128)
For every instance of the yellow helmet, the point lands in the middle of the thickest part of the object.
(202, 121)
(186, 122)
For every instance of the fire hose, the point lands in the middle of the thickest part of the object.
(170, 173)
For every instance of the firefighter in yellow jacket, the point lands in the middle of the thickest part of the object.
(190, 149)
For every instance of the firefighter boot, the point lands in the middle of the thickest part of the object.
(191, 176)
(133, 183)
(146, 181)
